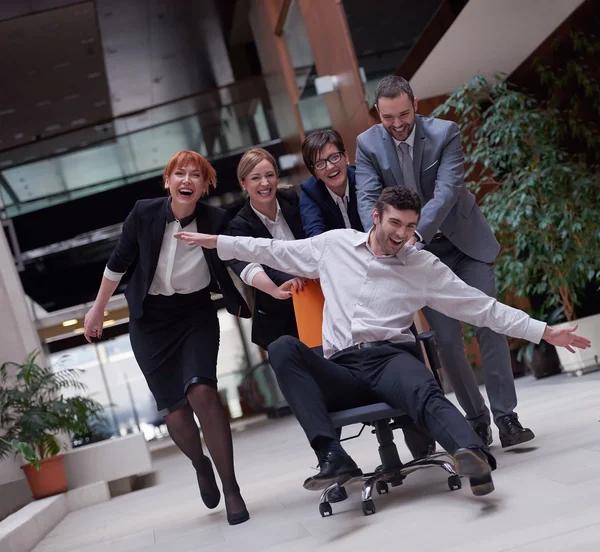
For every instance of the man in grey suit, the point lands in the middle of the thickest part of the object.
(425, 155)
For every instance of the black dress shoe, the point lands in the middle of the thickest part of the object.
(484, 431)
(475, 464)
(418, 440)
(207, 483)
(338, 494)
(512, 432)
(335, 468)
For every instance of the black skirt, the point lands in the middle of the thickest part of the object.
(176, 343)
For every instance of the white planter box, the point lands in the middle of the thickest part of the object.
(108, 461)
(582, 361)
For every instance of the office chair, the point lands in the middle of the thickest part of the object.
(308, 306)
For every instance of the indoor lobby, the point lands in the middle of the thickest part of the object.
(98, 95)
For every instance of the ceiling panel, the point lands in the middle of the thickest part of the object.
(57, 81)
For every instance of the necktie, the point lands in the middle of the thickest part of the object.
(408, 173)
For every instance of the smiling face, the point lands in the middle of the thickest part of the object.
(335, 172)
(261, 185)
(186, 185)
(397, 115)
(393, 229)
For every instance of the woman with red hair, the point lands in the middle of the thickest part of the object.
(173, 325)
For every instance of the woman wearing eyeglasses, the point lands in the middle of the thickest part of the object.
(328, 198)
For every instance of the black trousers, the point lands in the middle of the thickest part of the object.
(314, 386)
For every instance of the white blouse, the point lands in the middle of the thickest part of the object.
(279, 229)
(181, 268)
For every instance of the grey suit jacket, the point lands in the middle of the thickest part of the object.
(439, 173)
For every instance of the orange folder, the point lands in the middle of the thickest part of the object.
(308, 306)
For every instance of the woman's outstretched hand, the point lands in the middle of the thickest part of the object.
(207, 241)
(566, 337)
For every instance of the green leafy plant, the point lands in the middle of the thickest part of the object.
(34, 409)
(544, 206)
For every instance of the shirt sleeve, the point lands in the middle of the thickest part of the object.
(112, 275)
(250, 270)
(448, 294)
(299, 257)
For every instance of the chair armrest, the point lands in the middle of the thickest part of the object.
(428, 341)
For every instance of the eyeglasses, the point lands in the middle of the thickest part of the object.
(333, 159)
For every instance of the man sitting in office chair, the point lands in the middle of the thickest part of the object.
(373, 286)
(328, 202)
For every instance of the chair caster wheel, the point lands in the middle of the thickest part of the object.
(382, 487)
(368, 507)
(454, 482)
(325, 509)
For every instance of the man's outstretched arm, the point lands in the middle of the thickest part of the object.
(448, 294)
(300, 257)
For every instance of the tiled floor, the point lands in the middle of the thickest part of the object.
(547, 496)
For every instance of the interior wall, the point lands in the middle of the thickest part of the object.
(334, 54)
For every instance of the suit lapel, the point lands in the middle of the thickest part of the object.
(259, 230)
(392, 156)
(291, 214)
(331, 205)
(418, 148)
(353, 215)
(203, 221)
(159, 221)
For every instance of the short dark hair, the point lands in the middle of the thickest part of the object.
(392, 87)
(400, 198)
(316, 141)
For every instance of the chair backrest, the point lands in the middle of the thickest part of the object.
(308, 306)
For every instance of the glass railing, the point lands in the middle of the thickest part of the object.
(214, 124)
(113, 378)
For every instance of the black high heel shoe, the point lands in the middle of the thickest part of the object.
(238, 517)
(211, 496)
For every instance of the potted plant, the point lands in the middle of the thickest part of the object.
(540, 160)
(542, 359)
(34, 410)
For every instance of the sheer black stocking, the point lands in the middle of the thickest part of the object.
(206, 403)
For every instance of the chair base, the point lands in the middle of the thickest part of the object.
(394, 476)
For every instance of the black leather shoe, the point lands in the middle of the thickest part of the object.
(512, 432)
(484, 431)
(418, 440)
(475, 464)
(207, 483)
(338, 494)
(335, 468)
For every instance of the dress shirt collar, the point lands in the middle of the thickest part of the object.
(335, 197)
(266, 220)
(172, 218)
(362, 239)
(410, 140)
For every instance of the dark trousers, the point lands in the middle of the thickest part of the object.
(314, 386)
(495, 355)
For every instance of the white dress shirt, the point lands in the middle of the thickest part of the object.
(279, 229)
(374, 298)
(342, 203)
(181, 268)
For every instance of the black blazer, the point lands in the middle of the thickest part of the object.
(318, 210)
(138, 249)
(272, 317)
